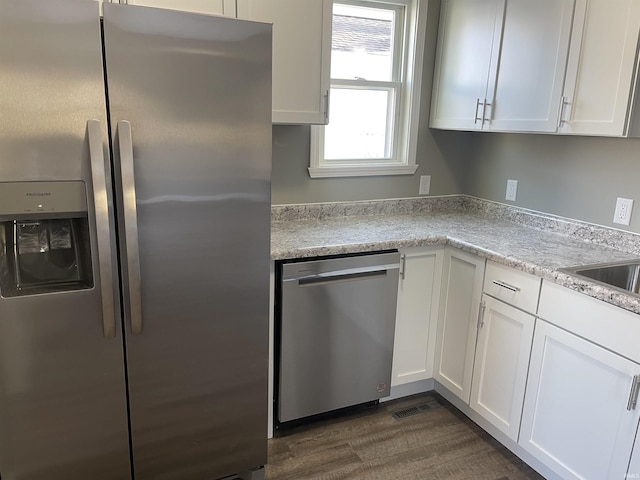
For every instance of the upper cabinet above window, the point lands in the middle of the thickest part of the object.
(212, 7)
(301, 56)
(602, 69)
(301, 49)
(501, 64)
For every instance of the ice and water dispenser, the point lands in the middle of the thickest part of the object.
(44, 238)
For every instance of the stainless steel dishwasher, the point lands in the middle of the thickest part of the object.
(336, 330)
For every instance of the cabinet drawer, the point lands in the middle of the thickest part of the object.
(512, 286)
(612, 327)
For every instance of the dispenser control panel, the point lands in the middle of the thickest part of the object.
(18, 198)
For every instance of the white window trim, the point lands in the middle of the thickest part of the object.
(408, 124)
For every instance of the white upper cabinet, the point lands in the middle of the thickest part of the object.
(468, 38)
(301, 49)
(601, 72)
(528, 86)
(503, 72)
(301, 56)
(211, 7)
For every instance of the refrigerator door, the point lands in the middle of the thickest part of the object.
(63, 411)
(190, 105)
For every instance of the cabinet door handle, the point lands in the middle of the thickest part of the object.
(563, 106)
(326, 107)
(633, 395)
(506, 285)
(484, 111)
(475, 117)
(403, 265)
(483, 307)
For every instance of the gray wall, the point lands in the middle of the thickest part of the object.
(577, 177)
(440, 154)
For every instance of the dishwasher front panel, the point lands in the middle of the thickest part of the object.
(336, 333)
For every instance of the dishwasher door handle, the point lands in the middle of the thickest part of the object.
(316, 281)
(350, 274)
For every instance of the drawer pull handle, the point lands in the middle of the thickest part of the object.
(633, 396)
(506, 285)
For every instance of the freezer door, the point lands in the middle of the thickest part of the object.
(63, 410)
(190, 107)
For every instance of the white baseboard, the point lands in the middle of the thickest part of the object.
(412, 388)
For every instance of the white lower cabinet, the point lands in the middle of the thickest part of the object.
(576, 416)
(501, 363)
(418, 293)
(462, 276)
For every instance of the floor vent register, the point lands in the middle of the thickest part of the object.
(430, 404)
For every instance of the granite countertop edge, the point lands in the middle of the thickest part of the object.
(346, 236)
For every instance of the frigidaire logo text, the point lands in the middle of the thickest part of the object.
(38, 194)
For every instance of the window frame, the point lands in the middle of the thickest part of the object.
(393, 109)
(406, 82)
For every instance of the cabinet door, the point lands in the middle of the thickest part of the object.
(462, 275)
(301, 56)
(527, 91)
(501, 362)
(601, 68)
(634, 466)
(468, 38)
(576, 418)
(212, 7)
(417, 314)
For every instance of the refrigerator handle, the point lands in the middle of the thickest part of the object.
(101, 205)
(125, 143)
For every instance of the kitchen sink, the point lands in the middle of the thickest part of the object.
(625, 276)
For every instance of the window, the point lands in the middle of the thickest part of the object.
(376, 68)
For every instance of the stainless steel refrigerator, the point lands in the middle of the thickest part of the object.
(134, 242)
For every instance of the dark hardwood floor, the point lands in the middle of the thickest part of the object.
(439, 443)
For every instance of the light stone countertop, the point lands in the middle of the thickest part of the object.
(532, 242)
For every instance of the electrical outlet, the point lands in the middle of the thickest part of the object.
(425, 184)
(512, 190)
(623, 211)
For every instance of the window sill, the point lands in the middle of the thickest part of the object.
(361, 171)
